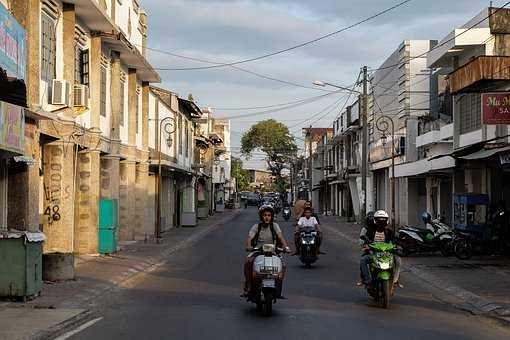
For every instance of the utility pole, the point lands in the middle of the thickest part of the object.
(364, 150)
(310, 171)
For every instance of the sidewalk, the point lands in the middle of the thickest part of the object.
(481, 283)
(68, 304)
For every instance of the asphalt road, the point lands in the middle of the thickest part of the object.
(196, 296)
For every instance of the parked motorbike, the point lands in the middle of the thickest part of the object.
(436, 236)
(467, 243)
(286, 213)
(308, 246)
(382, 268)
(267, 278)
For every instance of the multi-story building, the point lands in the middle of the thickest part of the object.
(400, 90)
(98, 140)
(470, 133)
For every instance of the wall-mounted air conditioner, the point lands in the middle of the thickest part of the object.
(60, 92)
(81, 95)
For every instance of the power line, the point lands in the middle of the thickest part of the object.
(267, 55)
(281, 108)
(444, 42)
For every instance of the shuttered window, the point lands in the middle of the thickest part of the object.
(47, 47)
(470, 112)
(103, 92)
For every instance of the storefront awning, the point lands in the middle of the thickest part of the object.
(484, 153)
(424, 166)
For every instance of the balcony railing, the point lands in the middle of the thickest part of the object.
(475, 74)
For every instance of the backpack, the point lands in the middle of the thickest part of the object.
(255, 240)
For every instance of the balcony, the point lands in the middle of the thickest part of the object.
(479, 72)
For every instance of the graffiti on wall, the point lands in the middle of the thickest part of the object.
(54, 192)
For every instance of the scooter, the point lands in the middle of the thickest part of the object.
(308, 246)
(286, 213)
(436, 236)
(382, 268)
(267, 278)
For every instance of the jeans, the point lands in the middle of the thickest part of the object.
(366, 260)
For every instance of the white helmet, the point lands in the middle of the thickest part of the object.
(381, 219)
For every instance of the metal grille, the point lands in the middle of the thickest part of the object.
(103, 92)
(470, 112)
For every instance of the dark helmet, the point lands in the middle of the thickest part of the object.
(426, 217)
(381, 219)
(266, 208)
(370, 219)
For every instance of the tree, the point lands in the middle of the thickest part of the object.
(190, 97)
(272, 138)
(241, 175)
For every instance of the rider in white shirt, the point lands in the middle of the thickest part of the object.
(307, 221)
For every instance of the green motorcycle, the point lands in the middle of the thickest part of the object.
(381, 269)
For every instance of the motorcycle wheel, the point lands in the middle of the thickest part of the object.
(385, 294)
(446, 248)
(267, 306)
(463, 249)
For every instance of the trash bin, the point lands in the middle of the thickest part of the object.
(21, 269)
(108, 223)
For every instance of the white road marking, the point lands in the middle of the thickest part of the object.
(79, 329)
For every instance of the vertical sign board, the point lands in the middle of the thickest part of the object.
(11, 127)
(496, 108)
(12, 45)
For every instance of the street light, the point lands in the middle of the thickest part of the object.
(385, 124)
(168, 125)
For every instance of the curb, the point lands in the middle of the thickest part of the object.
(474, 304)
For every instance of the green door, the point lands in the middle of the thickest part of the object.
(108, 224)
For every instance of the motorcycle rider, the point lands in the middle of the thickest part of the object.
(375, 231)
(265, 232)
(307, 220)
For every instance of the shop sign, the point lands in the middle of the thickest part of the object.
(12, 45)
(496, 108)
(11, 127)
(504, 158)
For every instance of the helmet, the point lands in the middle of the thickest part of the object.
(370, 218)
(381, 219)
(266, 208)
(426, 217)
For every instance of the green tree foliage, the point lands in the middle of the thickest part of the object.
(241, 175)
(272, 138)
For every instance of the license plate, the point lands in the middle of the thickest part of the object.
(268, 284)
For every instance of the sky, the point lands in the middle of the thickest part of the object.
(224, 31)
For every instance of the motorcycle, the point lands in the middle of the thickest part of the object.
(496, 241)
(286, 213)
(436, 236)
(308, 247)
(267, 278)
(381, 269)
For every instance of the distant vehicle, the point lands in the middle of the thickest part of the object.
(253, 199)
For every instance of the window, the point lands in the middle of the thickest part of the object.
(3, 194)
(81, 66)
(103, 92)
(47, 47)
(186, 136)
(137, 113)
(122, 98)
(470, 112)
(179, 129)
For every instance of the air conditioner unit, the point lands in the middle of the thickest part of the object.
(81, 95)
(60, 92)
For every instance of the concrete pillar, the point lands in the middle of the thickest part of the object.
(58, 211)
(132, 105)
(95, 81)
(115, 100)
(69, 22)
(127, 199)
(142, 227)
(145, 116)
(87, 202)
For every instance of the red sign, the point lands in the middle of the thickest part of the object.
(496, 108)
